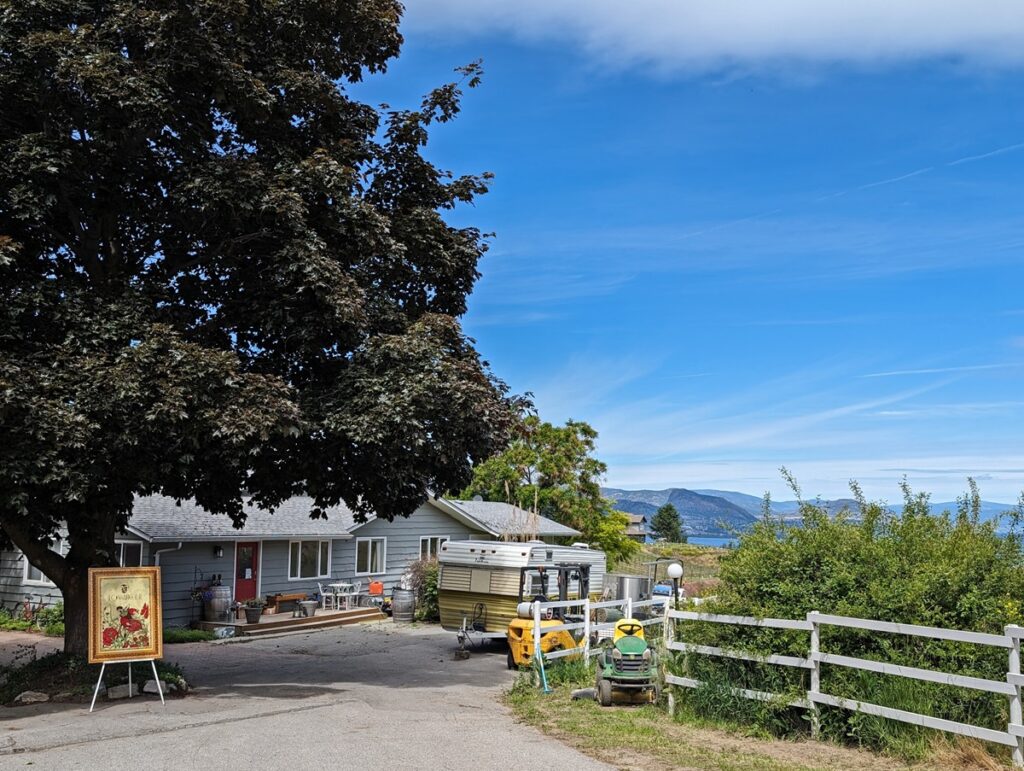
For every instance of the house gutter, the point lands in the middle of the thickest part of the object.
(158, 552)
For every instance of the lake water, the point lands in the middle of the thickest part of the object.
(719, 542)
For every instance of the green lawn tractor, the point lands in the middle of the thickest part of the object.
(628, 664)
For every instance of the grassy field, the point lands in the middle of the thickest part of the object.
(700, 563)
(646, 737)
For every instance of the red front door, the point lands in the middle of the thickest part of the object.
(247, 560)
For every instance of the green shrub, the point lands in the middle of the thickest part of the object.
(951, 570)
(56, 629)
(49, 620)
(58, 674)
(423, 576)
(52, 614)
(174, 635)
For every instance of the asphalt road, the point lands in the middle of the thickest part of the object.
(374, 696)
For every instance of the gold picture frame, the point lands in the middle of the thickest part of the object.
(125, 615)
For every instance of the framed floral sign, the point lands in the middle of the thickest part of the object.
(124, 614)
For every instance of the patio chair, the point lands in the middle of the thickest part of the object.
(328, 599)
(354, 594)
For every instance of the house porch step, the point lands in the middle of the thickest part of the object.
(342, 618)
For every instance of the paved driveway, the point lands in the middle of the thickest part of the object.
(374, 696)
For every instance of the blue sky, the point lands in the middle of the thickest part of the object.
(795, 241)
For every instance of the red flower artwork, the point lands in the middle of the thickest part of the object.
(131, 624)
(145, 610)
(109, 635)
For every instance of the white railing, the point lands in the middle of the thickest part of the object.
(1013, 736)
(588, 628)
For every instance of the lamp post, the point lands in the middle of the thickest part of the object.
(675, 572)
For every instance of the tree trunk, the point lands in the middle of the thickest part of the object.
(76, 612)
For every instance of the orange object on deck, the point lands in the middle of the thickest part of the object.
(376, 589)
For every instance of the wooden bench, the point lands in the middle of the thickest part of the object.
(274, 601)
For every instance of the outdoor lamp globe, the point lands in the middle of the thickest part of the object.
(675, 570)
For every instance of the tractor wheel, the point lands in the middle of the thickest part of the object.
(656, 693)
(511, 661)
(604, 692)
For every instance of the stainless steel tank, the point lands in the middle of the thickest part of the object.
(631, 587)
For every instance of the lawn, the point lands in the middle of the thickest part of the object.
(645, 737)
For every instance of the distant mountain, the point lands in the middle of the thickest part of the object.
(989, 510)
(636, 507)
(749, 503)
(754, 505)
(719, 513)
(700, 515)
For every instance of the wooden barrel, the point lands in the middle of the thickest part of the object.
(403, 605)
(218, 607)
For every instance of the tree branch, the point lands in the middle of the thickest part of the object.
(37, 552)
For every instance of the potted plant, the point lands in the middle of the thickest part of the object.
(253, 610)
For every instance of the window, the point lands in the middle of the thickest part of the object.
(370, 556)
(34, 575)
(309, 559)
(129, 553)
(430, 545)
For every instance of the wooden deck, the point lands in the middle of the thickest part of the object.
(283, 622)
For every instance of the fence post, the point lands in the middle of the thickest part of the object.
(1013, 668)
(629, 607)
(815, 672)
(667, 632)
(586, 629)
(536, 631)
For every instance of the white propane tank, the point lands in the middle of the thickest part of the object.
(524, 610)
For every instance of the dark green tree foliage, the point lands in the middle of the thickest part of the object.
(665, 524)
(220, 274)
(551, 470)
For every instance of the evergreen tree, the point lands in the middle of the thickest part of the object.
(665, 524)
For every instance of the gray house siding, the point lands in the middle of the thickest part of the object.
(403, 543)
(14, 588)
(192, 565)
(275, 569)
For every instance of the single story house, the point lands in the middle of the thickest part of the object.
(281, 552)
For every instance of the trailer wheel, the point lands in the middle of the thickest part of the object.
(604, 692)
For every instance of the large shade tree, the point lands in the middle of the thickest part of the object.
(221, 275)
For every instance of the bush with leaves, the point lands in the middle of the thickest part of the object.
(423, 576)
(952, 570)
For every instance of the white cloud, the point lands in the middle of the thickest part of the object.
(728, 34)
(940, 370)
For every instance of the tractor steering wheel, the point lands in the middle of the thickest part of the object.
(630, 629)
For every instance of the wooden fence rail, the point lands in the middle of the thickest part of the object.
(1010, 687)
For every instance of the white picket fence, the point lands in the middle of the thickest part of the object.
(585, 629)
(1013, 736)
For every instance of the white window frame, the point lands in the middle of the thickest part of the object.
(120, 543)
(383, 559)
(62, 550)
(319, 550)
(440, 540)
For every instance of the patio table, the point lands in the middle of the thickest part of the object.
(344, 588)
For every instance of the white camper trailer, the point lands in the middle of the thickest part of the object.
(481, 582)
